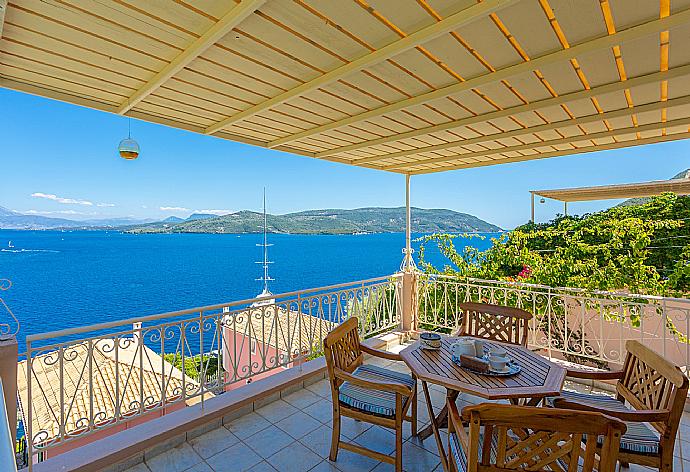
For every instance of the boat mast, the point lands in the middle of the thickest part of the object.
(265, 278)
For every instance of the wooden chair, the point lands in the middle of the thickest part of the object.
(505, 437)
(655, 392)
(494, 322)
(367, 392)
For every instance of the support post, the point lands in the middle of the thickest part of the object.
(8, 374)
(409, 302)
(532, 217)
(409, 276)
(565, 208)
(408, 227)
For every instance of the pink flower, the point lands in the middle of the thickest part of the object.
(525, 272)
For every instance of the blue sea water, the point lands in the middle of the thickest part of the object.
(69, 279)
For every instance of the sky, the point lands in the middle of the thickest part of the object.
(61, 160)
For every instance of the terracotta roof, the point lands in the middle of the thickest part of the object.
(277, 327)
(107, 373)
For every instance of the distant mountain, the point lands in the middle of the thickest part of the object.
(201, 216)
(14, 220)
(641, 201)
(173, 219)
(331, 221)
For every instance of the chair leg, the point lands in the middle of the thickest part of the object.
(413, 423)
(398, 447)
(335, 436)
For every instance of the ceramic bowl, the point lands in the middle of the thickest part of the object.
(431, 340)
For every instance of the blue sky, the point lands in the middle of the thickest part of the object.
(61, 160)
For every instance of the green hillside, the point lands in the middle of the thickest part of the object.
(361, 220)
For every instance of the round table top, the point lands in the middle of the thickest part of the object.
(538, 378)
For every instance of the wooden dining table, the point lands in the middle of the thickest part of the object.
(537, 379)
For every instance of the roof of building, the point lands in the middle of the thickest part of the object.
(404, 86)
(287, 330)
(606, 192)
(108, 378)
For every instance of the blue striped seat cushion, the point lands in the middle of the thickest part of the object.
(638, 439)
(376, 402)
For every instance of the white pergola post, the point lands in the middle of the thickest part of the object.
(532, 217)
(409, 277)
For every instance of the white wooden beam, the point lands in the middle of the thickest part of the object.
(597, 117)
(423, 35)
(605, 42)
(655, 77)
(3, 9)
(53, 94)
(582, 150)
(194, 50)
(552, 142)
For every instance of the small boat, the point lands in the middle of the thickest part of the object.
(10, 245)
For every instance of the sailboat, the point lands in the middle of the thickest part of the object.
(266, 295)
(10, 245)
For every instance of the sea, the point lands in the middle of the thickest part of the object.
(69, 279)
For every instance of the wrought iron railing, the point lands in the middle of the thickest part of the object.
(589, 327)
(76, 382)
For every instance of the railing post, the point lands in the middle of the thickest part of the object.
(410, 307)
(8, 374)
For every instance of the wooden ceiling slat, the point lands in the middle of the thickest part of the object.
(407, 112)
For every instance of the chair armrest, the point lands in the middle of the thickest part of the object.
(394, 387)
(595, 375)
(379, 353)
(641, 416)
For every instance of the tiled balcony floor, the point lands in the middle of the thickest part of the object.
(294, 434)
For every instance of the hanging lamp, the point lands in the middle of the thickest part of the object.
(128, 148)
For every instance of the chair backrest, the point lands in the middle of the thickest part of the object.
(341, 348)
(540, 439)
(651, 382)
(495, 322)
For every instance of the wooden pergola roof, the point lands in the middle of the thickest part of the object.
(607, 192)
(409, 86)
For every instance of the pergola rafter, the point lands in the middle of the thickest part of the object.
(397, 47)
(655, 106)
(3, 9)
(456, 84)
(645, 29)
(231, 19)
(506, 112)
(551, 142)
(565, 152)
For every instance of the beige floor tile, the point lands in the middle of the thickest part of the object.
(213, 442)
(298, 425)
(262, 466)
(248, 425)
(269, 441)
(138, 468)
(296, 458)
(321, 411)
(325, 466)
(350, 462)
(177, 459)
(277, 411)
(319, 441)
(302, 399)
(378, 439)
(322, 388)
(234, 459)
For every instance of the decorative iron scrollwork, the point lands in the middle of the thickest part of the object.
(8, 328)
